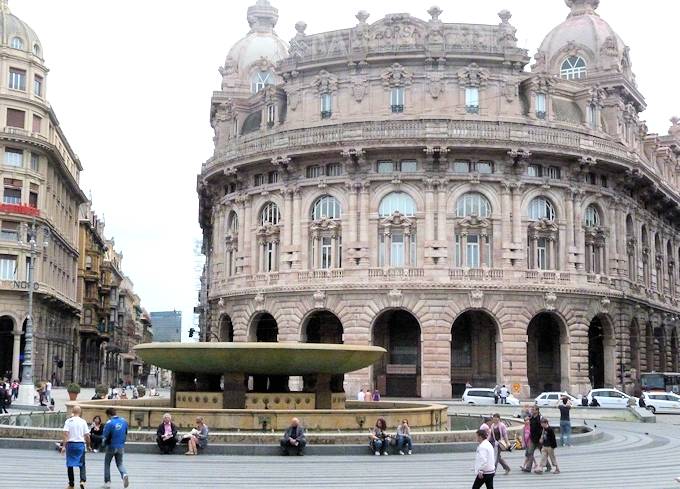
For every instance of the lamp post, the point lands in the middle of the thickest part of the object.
(27, 386)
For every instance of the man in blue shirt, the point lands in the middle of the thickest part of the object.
(115, 433)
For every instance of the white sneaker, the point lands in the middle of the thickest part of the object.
(410, 452)
(377, 454)
(107, 485)
(386, 454)
(401, 452)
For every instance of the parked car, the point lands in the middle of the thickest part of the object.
(551, 399)
(485, 396)
(611, 398)
(662, 402)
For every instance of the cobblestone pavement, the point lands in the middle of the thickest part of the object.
(632, 455)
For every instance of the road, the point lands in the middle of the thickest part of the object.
(632, 455)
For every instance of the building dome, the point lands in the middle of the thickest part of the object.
(582, 45)
(261, 42)
(16, 34)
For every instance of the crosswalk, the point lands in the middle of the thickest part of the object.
(631, 455)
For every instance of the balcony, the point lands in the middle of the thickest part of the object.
(23, 209)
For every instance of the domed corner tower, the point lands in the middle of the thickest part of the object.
(585, 49)
(40, 175)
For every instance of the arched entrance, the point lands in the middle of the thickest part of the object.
(265, 329)
(397, 374)
(6, 346)
(322, 327)
(596, 358)
(473, 351)
(546, 341)
(226, 329)
(634, 335)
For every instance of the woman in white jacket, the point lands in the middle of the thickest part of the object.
(485, 462)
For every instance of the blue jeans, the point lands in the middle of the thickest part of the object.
(379, 445)
(404, 440)
(118, 454)
(565, 432)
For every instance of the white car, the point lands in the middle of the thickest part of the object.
(485, 396)
(611, 398)
(662, 402)
(552, 399)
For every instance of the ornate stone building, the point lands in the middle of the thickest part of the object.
(417, 185)
(40, 175)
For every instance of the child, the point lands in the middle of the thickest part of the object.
(548, 445)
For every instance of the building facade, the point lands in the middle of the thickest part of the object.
(40, 175)
(167, 325)
(421, 186)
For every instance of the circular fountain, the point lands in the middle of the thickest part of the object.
(246, 387)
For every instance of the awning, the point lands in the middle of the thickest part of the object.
(128, 357)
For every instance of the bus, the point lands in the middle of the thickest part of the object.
(660, 381)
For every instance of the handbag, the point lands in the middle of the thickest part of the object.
(504, 446)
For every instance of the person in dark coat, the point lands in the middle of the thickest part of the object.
(548, 446)
(166, 435)
(535, 432)
(293, 439)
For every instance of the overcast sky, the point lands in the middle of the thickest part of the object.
(131, 81)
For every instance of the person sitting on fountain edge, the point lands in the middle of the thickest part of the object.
(166, 435)
(293, 438)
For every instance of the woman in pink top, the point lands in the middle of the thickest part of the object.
(526, 440)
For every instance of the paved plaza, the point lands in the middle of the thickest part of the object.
(632, 455)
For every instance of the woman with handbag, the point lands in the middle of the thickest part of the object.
(499, 433)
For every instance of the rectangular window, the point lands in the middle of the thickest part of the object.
(9, 231)
(326, 247)
(313, 171)
(472, 100)
(16, 118)
(590, 116)
(33, 196)
(333, 170)
(326, 105)
(592, 179)
(28, 268)
(535, 171)
(37, 124)
(12, 196)
(38, 86)
(603, 181)
(273, 177)
(472, 251)
(269, 257)
(484, 167)
(409, 166)
(14, 157)
(88, 262)
(540, 105)
(542, 253)
(461, 167)
(385, 166)
(17, 79)
(397, 99)
(554, 173)
(35, 162)
(8, 267)
(271, 115)
(397, 250)
(259, 179)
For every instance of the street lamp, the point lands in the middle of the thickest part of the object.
(27, 386)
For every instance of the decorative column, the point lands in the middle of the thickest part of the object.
(352, 212)
(551, 253)
(296, 219)
(287, 237)
(388, 248)
(334, 250)
(516, 213)
(363, 220)
(441, 211)
(463, 249)
(407, 247)
(579, 236)
(16, 354)
(429, 210)
(315, 250)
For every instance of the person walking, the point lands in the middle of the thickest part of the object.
(504, 394)
(48, 391)
(3, 398)
(485, 462)
(76, 439)
(501, 442)
(565, 421)
(535, 431)
(115, 434)
(15, 389)
(548, 445)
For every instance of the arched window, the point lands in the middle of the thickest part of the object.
(260, 80)
(573, 68)
(592, 217)
(473, 204)
(397, 202)
(270, 214)
(17, 43)
(233, 222)
(541, 208)
(36, 49)
(326, 207)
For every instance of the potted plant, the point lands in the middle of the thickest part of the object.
(73, 390)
